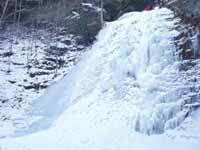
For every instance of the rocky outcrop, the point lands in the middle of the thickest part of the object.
(84, 22)
(188, 42)
(116, 8)
(187, 9)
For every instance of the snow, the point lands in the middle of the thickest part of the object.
(127, 93)
(15, 99)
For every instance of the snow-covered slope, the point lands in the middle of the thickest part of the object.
(30, 61)
(127, 87)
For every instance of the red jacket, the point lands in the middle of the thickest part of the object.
(147, 7)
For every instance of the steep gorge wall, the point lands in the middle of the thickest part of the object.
(188, 43)
(189, 9)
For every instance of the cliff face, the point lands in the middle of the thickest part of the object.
(188, 43)
(189, 9)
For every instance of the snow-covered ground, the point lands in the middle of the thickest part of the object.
(130, 92)
(30, 68)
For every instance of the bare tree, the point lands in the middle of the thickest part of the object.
(28, 59)
(15, 13)
(101, 15)
(10, 52)
(4, 11)
(40, 3)
(19, 14)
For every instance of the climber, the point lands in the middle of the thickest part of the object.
(147, 7)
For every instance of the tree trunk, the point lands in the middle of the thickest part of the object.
(101, 15)
(19, 15)
(4, 11)
(15, 13)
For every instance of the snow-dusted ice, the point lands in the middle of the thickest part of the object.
(127, 87)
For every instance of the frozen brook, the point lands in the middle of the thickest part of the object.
(127, 93)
